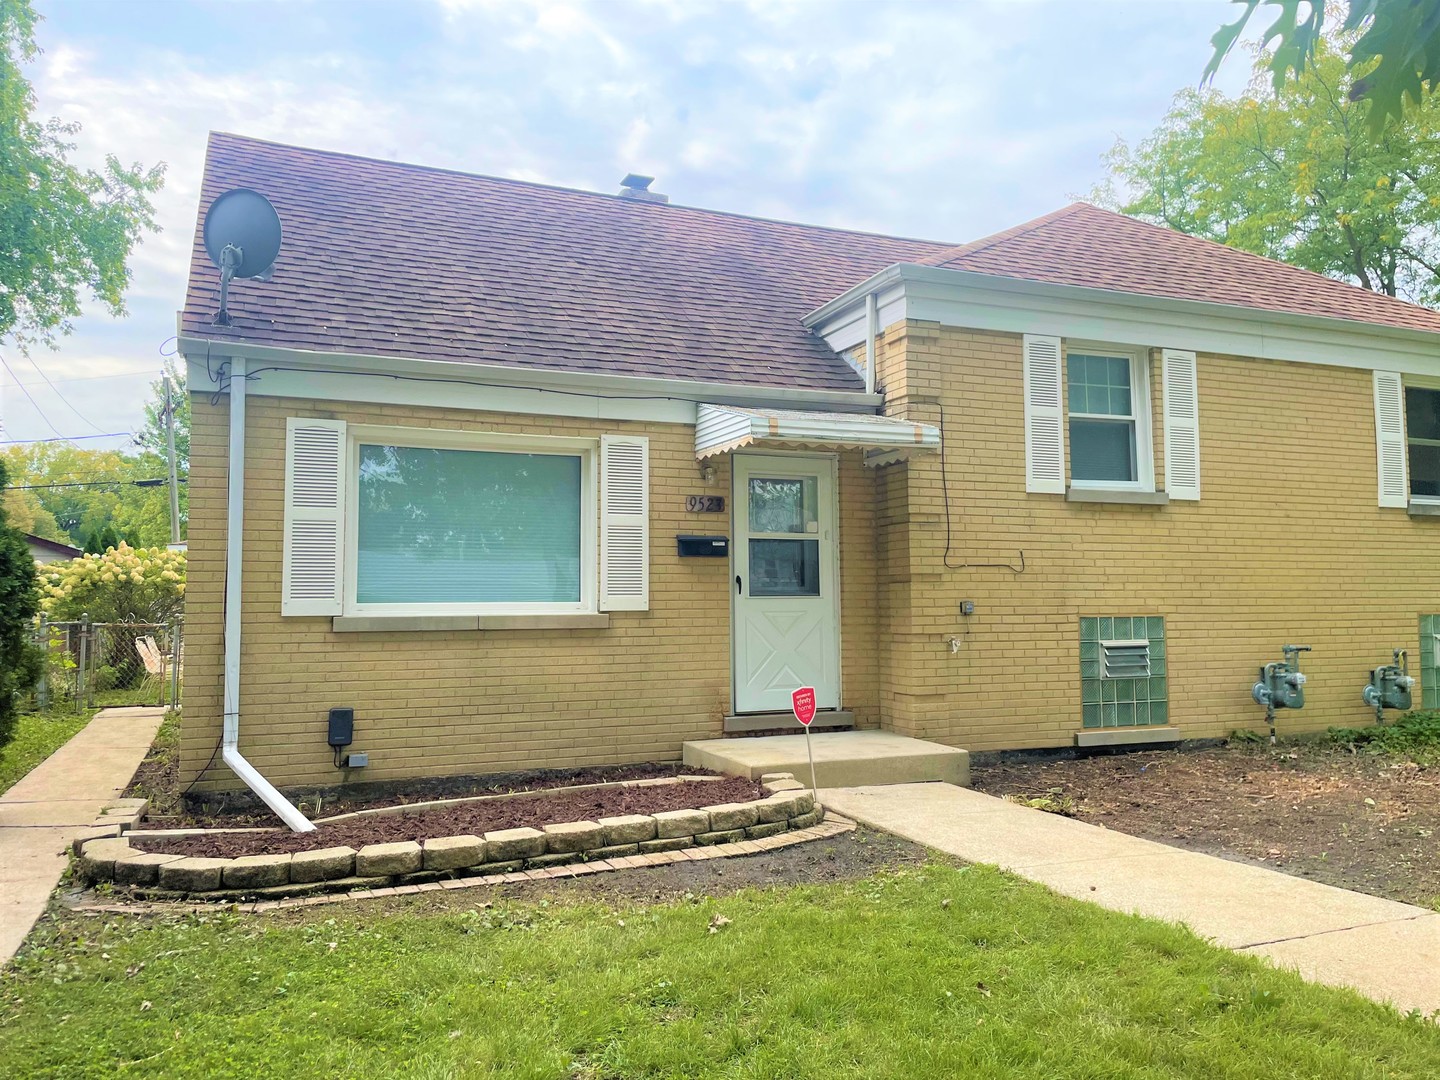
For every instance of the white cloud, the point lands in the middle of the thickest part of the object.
(916, 118)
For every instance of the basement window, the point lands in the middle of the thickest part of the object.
(1429, 661)
(1123, 680)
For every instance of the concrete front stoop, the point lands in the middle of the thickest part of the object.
(1386, 950)
(842, 758)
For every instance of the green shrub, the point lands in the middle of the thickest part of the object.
(1416, 734)
(125, 584)
(19, 601)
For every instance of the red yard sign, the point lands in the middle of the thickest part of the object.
(803, 702)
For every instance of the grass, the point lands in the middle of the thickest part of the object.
(1415, 735)
(37, 736)
(931, 972)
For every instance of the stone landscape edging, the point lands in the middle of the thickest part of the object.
(112, 858)
(158, 902)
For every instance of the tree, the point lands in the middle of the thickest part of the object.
(1394, 58)
(64, 230)
(19, 601)
(1297, 176)
(89, 491)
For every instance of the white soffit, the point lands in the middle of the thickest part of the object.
(720, 429)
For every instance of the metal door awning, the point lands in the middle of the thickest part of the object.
(720, 429)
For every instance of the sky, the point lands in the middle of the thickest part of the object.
(941, 120)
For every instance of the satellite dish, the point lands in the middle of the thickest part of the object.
(242, 238)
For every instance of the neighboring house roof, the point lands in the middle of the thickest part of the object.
(1087, 246)
(402, 260)
(53, 549)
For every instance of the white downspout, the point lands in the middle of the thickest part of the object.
(872, 328)
(234, 533)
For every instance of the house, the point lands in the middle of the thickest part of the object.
(47, 551)
(530, 477)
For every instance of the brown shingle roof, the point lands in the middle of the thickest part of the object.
(403, 260)
(1085, 245)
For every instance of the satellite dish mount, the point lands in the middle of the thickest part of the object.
(242, 238)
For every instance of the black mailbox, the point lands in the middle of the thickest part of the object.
(691, 547)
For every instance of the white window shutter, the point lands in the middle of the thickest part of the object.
(1044, 416)
(312, 578)
(1390, 438)
(1181, 405)
(624, 523)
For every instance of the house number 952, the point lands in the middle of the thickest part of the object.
(704, 504)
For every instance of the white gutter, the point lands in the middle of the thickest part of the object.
(234, 533)
(872, 328)
(632, 387)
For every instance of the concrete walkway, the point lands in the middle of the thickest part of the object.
(1385, 950)
(57, 801)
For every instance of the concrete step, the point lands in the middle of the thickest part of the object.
(842, 758)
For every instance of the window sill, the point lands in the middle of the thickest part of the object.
(1424, 509)
(363, 624)
(1116, 495)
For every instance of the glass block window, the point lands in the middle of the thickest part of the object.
(1429, 683)
(1123, 680)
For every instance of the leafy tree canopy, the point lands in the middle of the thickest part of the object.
(109, 507)
(64, 231)
(1394, 50)
(1296, 175)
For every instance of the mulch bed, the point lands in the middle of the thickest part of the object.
(1358, 821)
(470, 818)
(247, 812)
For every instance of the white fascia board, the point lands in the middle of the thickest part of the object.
(372, 379)
(974, 301)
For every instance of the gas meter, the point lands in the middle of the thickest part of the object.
(1281, 685)
(1389, 686)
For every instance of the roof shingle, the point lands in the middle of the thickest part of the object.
(401, 260)
(1087, 246)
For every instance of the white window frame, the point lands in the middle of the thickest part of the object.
(586, 450)
(1141, 408)
(1407, 383)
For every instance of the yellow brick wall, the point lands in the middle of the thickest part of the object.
(454, 703)
(1286, 545)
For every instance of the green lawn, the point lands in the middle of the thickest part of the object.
(37, 736)
(875, 978)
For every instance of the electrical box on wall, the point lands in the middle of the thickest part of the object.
(342, 727)
(711, 547)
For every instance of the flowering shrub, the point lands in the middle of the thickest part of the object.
(124, 585)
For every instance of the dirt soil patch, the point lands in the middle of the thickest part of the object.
(1357, 821)
(466, 819)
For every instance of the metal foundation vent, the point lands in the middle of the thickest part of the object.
(1125, 659)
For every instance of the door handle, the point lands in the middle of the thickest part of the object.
(737, 583)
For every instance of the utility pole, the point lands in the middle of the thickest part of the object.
(170, 447)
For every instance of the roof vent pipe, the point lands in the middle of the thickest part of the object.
(637, 186)
(234, 534)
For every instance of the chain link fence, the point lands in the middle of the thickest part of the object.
(93, 665)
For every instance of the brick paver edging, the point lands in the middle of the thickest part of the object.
(786, 807)
(832, 825)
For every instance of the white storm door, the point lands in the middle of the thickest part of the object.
(786, 584)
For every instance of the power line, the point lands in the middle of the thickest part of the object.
(68, 438)
(32, 400)
(56, 390)
(94, 378)
(152, 481)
